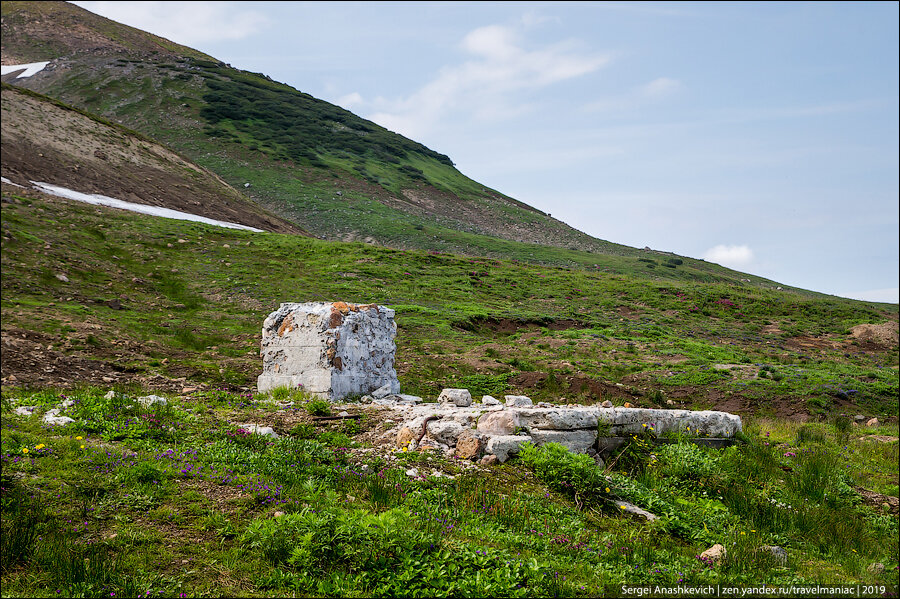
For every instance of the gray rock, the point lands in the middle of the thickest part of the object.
(53, 417)
(506, 445)
(110, 394)
(458, 397)
(560, 419)
(266, 431)
(489, 460)
(24, 410)
(578, 441)
(445, 431)
(490, 401)
(714, 554)
(606, 404)
(413, 399)
(149, 400)
(859, 418)
(518, 401)
(382, 392)
(630, 508)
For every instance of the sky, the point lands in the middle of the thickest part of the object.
(760, 136)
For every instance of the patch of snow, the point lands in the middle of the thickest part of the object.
(142, 208)
(31, 68)
(8, 182)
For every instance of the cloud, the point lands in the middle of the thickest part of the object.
(489, 85)
(731, 256)
(662, 86)
(186, 23)
(350, 100)
(652, 91)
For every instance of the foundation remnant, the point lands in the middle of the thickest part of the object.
(331, 349)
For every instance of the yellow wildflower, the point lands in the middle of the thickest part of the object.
(41, 446)
(79, 438)
(24, 450)
(82, 447)
(607, 489)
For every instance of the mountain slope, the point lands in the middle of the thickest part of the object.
(46, 141)
(319, 165)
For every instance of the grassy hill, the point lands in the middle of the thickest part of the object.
(322, 167)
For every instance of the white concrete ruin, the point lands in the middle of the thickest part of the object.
(332, 349)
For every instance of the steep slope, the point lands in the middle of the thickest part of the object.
(46, 141)
(321, 166)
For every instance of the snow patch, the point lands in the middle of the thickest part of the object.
(31, 68)
(142, 208)
(8, 182)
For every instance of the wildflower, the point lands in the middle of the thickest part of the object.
(607, 489)
(24, 450)
(79, 438)
(82, 447)
(40, 446)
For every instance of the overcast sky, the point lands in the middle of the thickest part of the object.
(762, 136)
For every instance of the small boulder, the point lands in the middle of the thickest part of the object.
(628, 405)
(53, 417)
(405, 436)
(505, 446)
(470, 445)
(487, 400)
(489, 460)
(714, 554)
(24, 410)
(445, 431)
(518, 401)
(382, 392)
(872, 422)
(498, 423)
(630, 508)
(110, 394)
(459, 397)
(149, 400)
(606, 404)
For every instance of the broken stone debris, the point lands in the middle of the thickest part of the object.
(331, 349)
(499, 430)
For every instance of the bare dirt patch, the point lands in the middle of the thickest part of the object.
(885, 335)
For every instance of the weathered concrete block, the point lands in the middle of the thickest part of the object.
(332, 349)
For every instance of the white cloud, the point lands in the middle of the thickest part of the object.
(488, 84)
(890, 295)
(662, 86)
(350, 100)
(185, 23)
(731, 256)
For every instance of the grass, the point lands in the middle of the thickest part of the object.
(209, 512)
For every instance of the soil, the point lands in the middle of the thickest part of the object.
(47, 143)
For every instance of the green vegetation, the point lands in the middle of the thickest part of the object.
(214, 510)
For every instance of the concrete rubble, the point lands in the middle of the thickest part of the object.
(475, 430)
(331, 349)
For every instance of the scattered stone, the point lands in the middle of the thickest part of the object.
(53, 417)
(24, 410)
(149, 400)
(501, 423)
(872, 422)
(110, 395)
(366, 399)
(518, 401)
(506, 445)
(383, 391)
(714, 554)
(62, 277)
(278, 514)
(487, 400)
(459, 397)
(411, 399)
(669, 402)
(186, 390)
(67, 403)
(333, 349)
(444, 431)
(630, 508)
(469, 445)
(778, 553)
(266, 431)
(344, 414)
(412, 472)
(606, 404)
(405, 436)
(489, 460)
(628, 405)
(859, 418)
